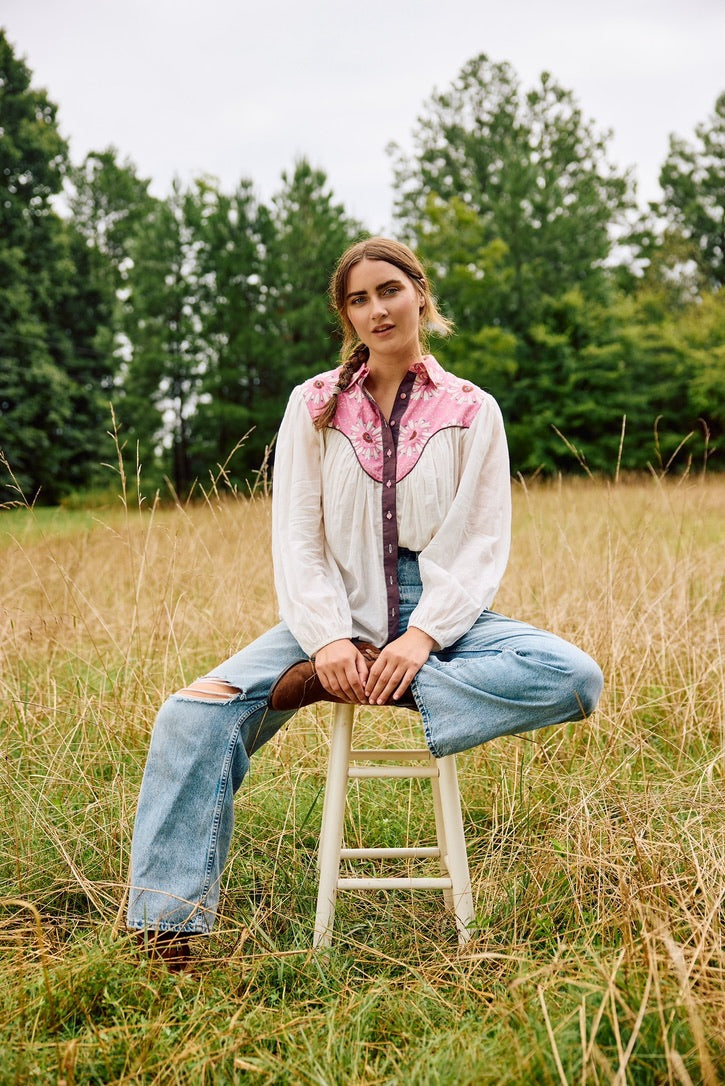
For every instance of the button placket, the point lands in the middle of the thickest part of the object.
(389, 503)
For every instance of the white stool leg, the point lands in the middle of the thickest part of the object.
(333, 816)
(441, 834)
(457, 857)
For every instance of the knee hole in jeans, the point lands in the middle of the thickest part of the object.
(210, 690)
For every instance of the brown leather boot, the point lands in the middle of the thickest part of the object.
(299, 684)
(170, 947)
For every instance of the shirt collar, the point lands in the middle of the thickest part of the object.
(428, 368)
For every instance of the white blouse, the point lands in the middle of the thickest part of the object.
(449, 488)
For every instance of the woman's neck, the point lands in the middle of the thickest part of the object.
(386, 373)
(384, 379)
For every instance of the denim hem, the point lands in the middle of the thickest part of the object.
(186, 929)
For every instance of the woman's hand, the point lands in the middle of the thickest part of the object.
(342, 670)
(397, 665)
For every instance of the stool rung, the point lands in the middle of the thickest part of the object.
(418, 853)
(405, 755)
(375, 771)
(449, 869)
(411, 883)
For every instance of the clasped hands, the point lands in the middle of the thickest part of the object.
(344, 671)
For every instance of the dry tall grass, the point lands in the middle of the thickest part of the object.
(597, 849)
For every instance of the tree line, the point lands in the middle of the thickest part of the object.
(599, 327)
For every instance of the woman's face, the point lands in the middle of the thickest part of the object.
(384, 306)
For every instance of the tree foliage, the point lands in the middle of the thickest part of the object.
(55, 367)
(240, 384)
(600, 335)
(519, 168)
(226, 309)
(310, 233)
(510, 199)
(161, 380)
(693, 186)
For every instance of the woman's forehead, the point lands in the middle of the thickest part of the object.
(369, 274)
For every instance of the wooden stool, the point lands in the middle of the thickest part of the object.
(451, 848)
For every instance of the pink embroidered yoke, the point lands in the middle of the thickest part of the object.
(433, 479)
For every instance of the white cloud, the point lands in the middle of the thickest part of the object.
(236, 89)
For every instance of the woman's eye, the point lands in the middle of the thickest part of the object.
(356, 301)
(390, 290)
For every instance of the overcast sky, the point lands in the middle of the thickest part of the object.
(239, 89)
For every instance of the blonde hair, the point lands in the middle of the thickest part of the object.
(353, 353)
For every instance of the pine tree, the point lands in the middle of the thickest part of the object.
(55, 367)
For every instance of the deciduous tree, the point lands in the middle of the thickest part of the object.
(693, 186)
(511, 201)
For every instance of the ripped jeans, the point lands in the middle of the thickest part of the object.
(500, 678)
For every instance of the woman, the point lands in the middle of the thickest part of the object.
(391, 514)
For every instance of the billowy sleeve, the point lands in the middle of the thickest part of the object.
(310, 590)
(462, 565)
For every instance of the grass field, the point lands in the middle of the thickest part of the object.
(597, 849)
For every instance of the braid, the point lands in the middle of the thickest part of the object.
(359, 356)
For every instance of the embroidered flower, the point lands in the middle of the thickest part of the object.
(412, 437)
(318, 391)
(366, 440)
(464, 393)
(423, 389)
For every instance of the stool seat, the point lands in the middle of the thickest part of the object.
(450, 849)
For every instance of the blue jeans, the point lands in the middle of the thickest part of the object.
(500, 678)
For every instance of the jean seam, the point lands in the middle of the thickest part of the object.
(223, 784)
(425, 716)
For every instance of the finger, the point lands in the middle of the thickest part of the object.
(404, 684)
(330, 682)
(351, 685)
(361, 677)
(374, 684)
(342, 680)
(385, 685)
(373, 671)
(379, 668)
(334, 680)
(394, 684)
(385, 694)
(363, 668)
